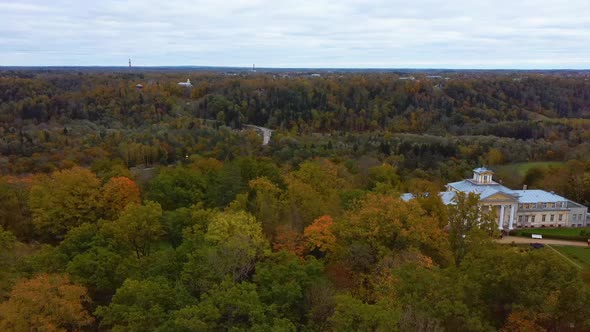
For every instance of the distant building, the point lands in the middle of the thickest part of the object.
(186, 84)
(139, 86)
(516, 208)
(315, 75)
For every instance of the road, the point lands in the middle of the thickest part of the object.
(266, 133)
(518, 239)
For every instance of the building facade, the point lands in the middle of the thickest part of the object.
(526, 208)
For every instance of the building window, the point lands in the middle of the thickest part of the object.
(574, 217)
(532, 218)
(543, 218)
(552, 217)
(560, 217)
(519, 219)
(485, 178)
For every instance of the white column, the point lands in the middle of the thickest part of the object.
(501, 226)
(512, 214)
(478, 214)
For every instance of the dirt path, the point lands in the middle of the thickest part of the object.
(517, 239)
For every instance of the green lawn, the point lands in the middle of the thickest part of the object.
(568, 231)
(522, 168)
(580, 255)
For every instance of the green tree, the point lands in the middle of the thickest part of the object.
(101, 270)
(469, 225)
(383, 178)
(140, 227)
(141, 305)
(265, 203)
(231, 307)
(230, 247)
(283, 281)
(177, 187)
(352, 314)
(14, 211)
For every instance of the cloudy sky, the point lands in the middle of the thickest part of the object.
(298, 33)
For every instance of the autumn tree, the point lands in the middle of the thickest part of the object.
(64, 200)
(289, 240)
(312, 191)
(47, 302)
(319, 235)
(426, 194)
(382, 224)
(116, 194)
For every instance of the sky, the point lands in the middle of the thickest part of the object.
(480, 34)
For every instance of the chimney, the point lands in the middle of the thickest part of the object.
(524, 187)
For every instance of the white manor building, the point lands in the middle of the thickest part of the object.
(517, 208)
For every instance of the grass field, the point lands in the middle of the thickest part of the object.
(580, 255)
(567, 231)
(522, 168)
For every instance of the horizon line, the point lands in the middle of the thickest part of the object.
(297, 68)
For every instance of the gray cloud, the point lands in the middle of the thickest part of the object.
(298, 33)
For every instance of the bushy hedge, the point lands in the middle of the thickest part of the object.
(527, 233)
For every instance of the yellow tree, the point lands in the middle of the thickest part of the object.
(48, 302)
(384, 224)
(265, 203)
(64, 200)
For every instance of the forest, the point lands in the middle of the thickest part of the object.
(130, 203)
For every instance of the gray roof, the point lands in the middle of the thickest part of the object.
(538, 196)
(480, 170)
(407, 197)
(446, 196)
(484, 190)
(524, 196)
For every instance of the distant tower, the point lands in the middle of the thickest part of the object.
(129, 62)
(254, 68)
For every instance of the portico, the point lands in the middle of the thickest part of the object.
(505, 213)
